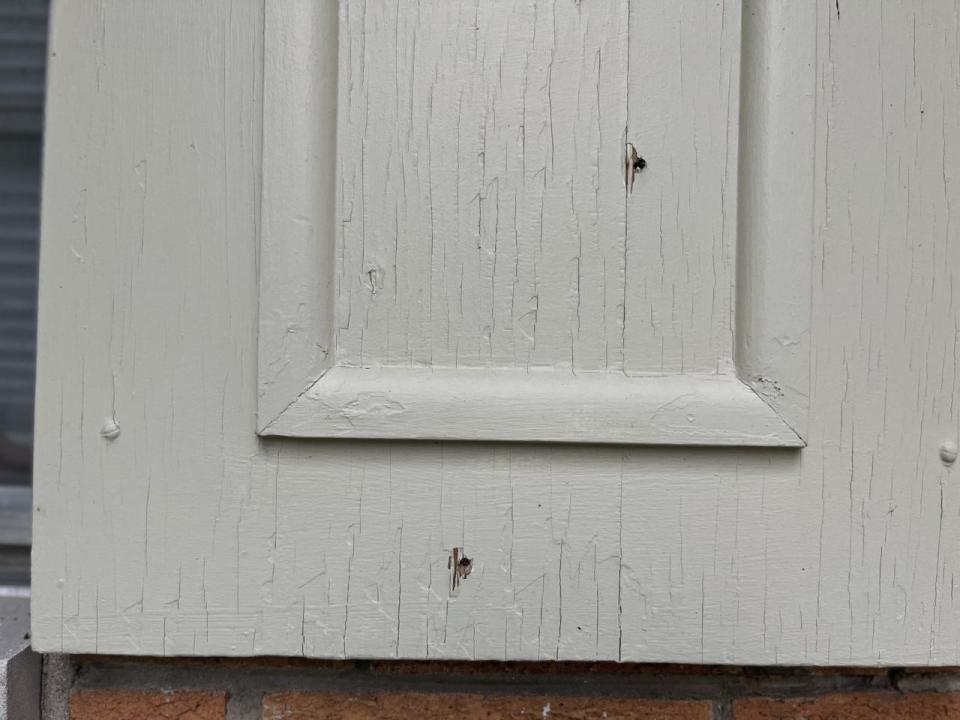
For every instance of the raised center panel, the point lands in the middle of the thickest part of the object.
(524, 226)
(484, 216)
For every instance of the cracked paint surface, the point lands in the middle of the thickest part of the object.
(481, 167)
(187, 534)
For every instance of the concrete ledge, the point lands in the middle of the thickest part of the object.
(19, 665)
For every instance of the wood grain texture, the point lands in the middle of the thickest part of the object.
(188, 534)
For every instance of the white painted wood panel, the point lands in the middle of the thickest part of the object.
(189, 534)
(683, 117)
(483, 223)
(484, 218)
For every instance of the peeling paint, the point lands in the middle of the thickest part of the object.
(375, 404)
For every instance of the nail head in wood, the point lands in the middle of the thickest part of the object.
(110, 429)
(948, 452)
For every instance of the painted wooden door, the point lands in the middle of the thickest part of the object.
(603, 329)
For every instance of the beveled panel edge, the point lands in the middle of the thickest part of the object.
(539, 405)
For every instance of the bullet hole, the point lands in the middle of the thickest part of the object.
(461, 566)
(632, 164)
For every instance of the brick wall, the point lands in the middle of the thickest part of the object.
(103, 688)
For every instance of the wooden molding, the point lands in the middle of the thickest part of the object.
(540, 405)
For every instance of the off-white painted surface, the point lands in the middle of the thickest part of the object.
(537, 405)
(485, 222)
(498, 137)
(186, 533)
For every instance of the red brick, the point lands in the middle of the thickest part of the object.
(464, 706)
(852, 706)
(147, 705)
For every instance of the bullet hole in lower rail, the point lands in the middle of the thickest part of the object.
(461, 567)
